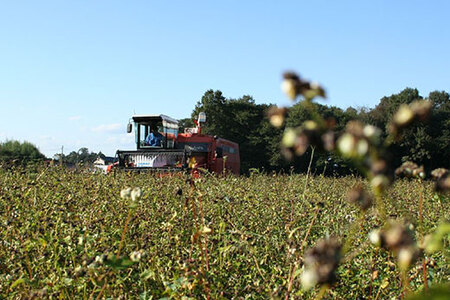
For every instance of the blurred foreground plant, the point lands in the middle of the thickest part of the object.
(370, 153)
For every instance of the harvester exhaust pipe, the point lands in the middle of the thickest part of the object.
(200, 121)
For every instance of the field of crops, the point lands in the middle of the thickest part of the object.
(67, 234)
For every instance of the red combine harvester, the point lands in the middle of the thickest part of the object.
(173, 151)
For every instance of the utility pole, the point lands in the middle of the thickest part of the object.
(62, 154)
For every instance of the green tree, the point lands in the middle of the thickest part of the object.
(323, 162)
(185, 123)
(24, 152)
(81, 156)
(439, 129)
(383, 112)
(213, 104)
(241, 121)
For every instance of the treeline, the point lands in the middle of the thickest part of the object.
(245, 122)
(22, 153)
(82, 156)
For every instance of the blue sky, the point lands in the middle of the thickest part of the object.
(73, 72)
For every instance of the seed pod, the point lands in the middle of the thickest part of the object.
(136, 194)
(421, 109)
(346, 145)
(125, 193)
(321, 262)
(329, 141)
(403, 117)
(439, 173)
(396, 236)
(276, 115)
(293, 87)
(355, 128)
(443, 184)
(360, 197)
(379, 183)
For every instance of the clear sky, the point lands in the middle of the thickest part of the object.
(73, 72)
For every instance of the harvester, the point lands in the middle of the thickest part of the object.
(175, 151)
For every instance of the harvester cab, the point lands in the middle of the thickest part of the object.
(155, 137)
(160, 125)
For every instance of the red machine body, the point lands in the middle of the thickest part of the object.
(177, 151)
(211, 153)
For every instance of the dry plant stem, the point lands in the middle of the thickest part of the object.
(371, 274)
(322, 291)
(424, 264)
(308, 172)
(353, 232)
(294, 268)
(380, 207)
(421, 211)
(27, 260)
(197, 239)
(425, 280)
(202, 217)
(291, 220)
(189, 199)
(405, 283)
(257, 267)
(123, 233)
(378, 293)
(102, 290)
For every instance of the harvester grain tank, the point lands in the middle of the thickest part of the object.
(161, 147)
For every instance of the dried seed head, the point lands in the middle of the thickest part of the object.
(136, 194)
(375, 237)
(379, 183)
(439, 173)
(406, 256)
(396, 236)
(346, 144)
(403, 117)
(410, 169)
(359, 196)
(378, 167)
(125, 193)
(289, 138)
(310, 125)
(290, 85)
(287, 153)
(136, 256)
(419, 172)
(372, 133)
(443, 184)
(355, 128)
(293, 86)
(291, 76)
(362, 147)
(276, 115)
(321, 261)
(329, 141)
(309, 278)
(421, 109)
(301, 144)
(406, 114)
